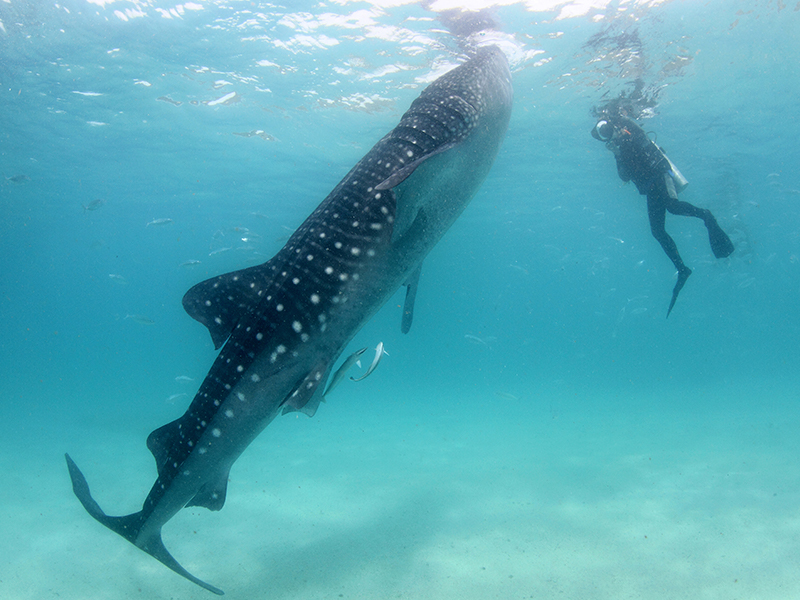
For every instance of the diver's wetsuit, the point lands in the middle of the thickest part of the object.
(641, 161)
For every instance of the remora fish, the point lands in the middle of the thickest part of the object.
(353, 359)
(379, 352)
(287, 321)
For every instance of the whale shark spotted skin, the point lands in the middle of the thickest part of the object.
(283, 324)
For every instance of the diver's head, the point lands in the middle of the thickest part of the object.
(603, 131)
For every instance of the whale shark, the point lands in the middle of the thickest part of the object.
(282, 325)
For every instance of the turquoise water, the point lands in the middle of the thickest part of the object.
(541, 432)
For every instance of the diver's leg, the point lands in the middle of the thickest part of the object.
(657, 212)
(684, 209)
(721, 244)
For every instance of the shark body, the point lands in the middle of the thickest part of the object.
(283, 324)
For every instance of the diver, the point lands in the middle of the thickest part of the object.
(640, 160)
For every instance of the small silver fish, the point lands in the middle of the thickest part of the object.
(169, 100)
(189, 263)
(94, 204)
(354, 358)
(379, 352)
(218, 251)
(747, 283)
(159, 222)
(118, 279)
(141, 319)
(17, 178)
(183, 378)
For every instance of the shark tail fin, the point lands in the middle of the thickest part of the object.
(129, 527)
(154, 546)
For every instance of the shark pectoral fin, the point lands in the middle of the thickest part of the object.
(219, 302)
(129, 527)
(411, 295)
(212, 495)
(409, 201)
(401, 175)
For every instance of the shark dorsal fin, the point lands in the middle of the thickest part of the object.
(161, 440)
(219, 302)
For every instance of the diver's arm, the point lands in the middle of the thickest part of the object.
(632, 127)
(622, 170)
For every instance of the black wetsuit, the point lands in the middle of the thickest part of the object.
(641, 161)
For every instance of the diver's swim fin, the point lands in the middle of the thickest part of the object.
(721, 244)
(683, 275)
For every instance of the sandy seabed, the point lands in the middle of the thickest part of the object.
(439, 497)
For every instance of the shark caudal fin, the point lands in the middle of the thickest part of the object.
(129, 527)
